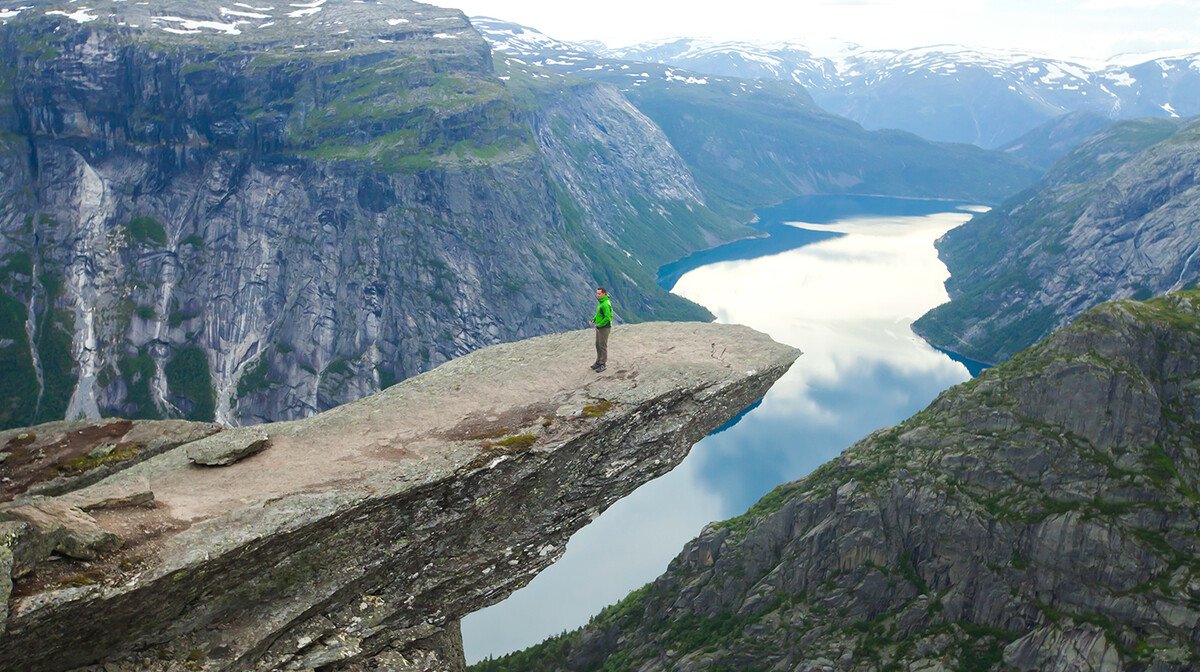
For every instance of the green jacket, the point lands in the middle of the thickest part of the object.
(604, 312)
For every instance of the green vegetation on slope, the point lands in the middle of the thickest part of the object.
(641, 297)
(55, 337)
(998, 260)
(18, 384)
(761, 142)
(137, 372)
(190, 383)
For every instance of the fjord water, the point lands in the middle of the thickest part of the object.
(843, 280)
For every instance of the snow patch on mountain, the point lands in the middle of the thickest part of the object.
(983, 96)
(10, 13)
(191, 26)
(79, 16)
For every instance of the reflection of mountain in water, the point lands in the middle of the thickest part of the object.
(781, 237)
(846, 300)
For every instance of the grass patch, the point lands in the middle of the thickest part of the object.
(177, 317)
(255, 379)
(193, 240)
(84, 463)
(597, 410)
(494, 449)
(55, 337)
(18, 384)
(770, 503)
(147, 230)
(513, 443)
(137, 372)
(190, 382)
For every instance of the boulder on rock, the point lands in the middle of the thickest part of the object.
(225, 448)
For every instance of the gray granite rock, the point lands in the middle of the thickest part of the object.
(56, 457)
(366, 532)
(1114, 219)
(225, 448)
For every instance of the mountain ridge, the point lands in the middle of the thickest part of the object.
(755, 142)
(1108, 221)
(949, 93)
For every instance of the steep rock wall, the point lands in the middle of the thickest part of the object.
(1115, 218)
(262, 221)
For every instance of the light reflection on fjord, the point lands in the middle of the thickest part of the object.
(847, 302)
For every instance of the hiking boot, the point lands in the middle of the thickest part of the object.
(600, 368)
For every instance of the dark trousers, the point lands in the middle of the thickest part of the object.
(602, 344)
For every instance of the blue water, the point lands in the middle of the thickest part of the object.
(841, 278)
(780, 236)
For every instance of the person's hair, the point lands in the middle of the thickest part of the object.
(602, 290)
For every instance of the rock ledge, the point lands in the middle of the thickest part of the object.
(362, 536)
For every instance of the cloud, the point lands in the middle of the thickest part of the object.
(1109, 5)
(1163, 39)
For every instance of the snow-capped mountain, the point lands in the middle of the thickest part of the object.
(949, 93)
(759, 140)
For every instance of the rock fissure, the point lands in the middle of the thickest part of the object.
(360, 533)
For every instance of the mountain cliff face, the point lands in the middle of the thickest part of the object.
(1114, 218)
(1043, 516)
(355, 539)
(255, 214)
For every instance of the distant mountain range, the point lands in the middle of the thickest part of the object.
(755, 141)
(945, 93)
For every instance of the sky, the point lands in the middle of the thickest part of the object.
(1088, 29)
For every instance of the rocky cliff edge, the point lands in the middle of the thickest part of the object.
(1043, 517)
(357, 538)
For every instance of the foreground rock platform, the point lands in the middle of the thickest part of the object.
(357, 539)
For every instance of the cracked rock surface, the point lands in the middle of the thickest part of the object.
(363, 534)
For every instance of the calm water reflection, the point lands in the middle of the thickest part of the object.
(847, 301)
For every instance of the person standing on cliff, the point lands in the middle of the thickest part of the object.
(603, 322)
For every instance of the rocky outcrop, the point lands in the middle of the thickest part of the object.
(1043, 516)
(226, 448)
(57, 457)
(360, 536)
(1044, 145)
(1115, 218)
(250, 215)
